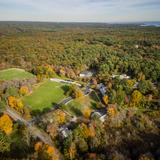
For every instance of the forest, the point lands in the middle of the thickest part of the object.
(124, 60)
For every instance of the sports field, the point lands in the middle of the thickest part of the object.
(46, 95)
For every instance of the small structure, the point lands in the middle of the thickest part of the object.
(100, 114)
(136, 85)
(64, 131)
(136, 46)
(122, 76)
(86, 74)
(102, 89)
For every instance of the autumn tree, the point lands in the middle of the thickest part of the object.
(45, 152)
(6, 124)
(75, 92)
(129, 85)
(52, 129)
(59, 116)
(136, 98)
(105, 99)
(141, 76)
(23, 90)
(78, 93)
(15, 103)
(5, 142)
(87, 112)
(111, 110)
(72, 151)
(46, 71)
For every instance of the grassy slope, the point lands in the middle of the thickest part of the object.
(14, 73)
(46, 95)
(76, 106)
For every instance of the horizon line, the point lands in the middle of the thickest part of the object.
(118, 22)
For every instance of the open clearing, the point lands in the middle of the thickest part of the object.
(46, 95)
(15, 74)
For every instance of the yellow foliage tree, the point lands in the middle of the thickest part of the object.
(78, 93)
(24, 90)
(72, 151)
(136, 98)
(141, 76)
(105, 99)
(87, 112)
(11, 101)
(92, 132)
(130, 83)
(15, 103)
(85, 131)
(59, 116)
(6, 124)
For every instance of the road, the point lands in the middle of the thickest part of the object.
(64, 81)
(35, 131)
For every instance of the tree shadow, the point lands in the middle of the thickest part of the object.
(76, 111)
(65, 88)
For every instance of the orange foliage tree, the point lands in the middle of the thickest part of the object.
(6, 124)
(111, 110)
(45, 151)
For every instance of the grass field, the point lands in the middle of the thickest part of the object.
(46, 95)
(77, 106)
(14, 74)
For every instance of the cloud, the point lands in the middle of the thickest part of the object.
(80, 10)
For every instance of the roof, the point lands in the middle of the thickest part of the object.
(88, 72)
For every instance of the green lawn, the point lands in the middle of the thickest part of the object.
(46, 95)
(14, 73)
(76, 106)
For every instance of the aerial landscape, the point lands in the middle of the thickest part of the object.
(79, 84)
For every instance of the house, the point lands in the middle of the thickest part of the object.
(122, 76)
(102, 89)
(100, 114)
(86, 74)
(64, 131)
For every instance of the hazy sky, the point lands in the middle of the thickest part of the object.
(80, 10)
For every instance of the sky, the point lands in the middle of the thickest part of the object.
(80, 10)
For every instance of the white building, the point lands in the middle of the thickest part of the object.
(64, 131)
(122, 76)
(101, 115)
(86, 74)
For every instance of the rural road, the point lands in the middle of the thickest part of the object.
(35, 131)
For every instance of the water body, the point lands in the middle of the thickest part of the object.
(150, 24)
